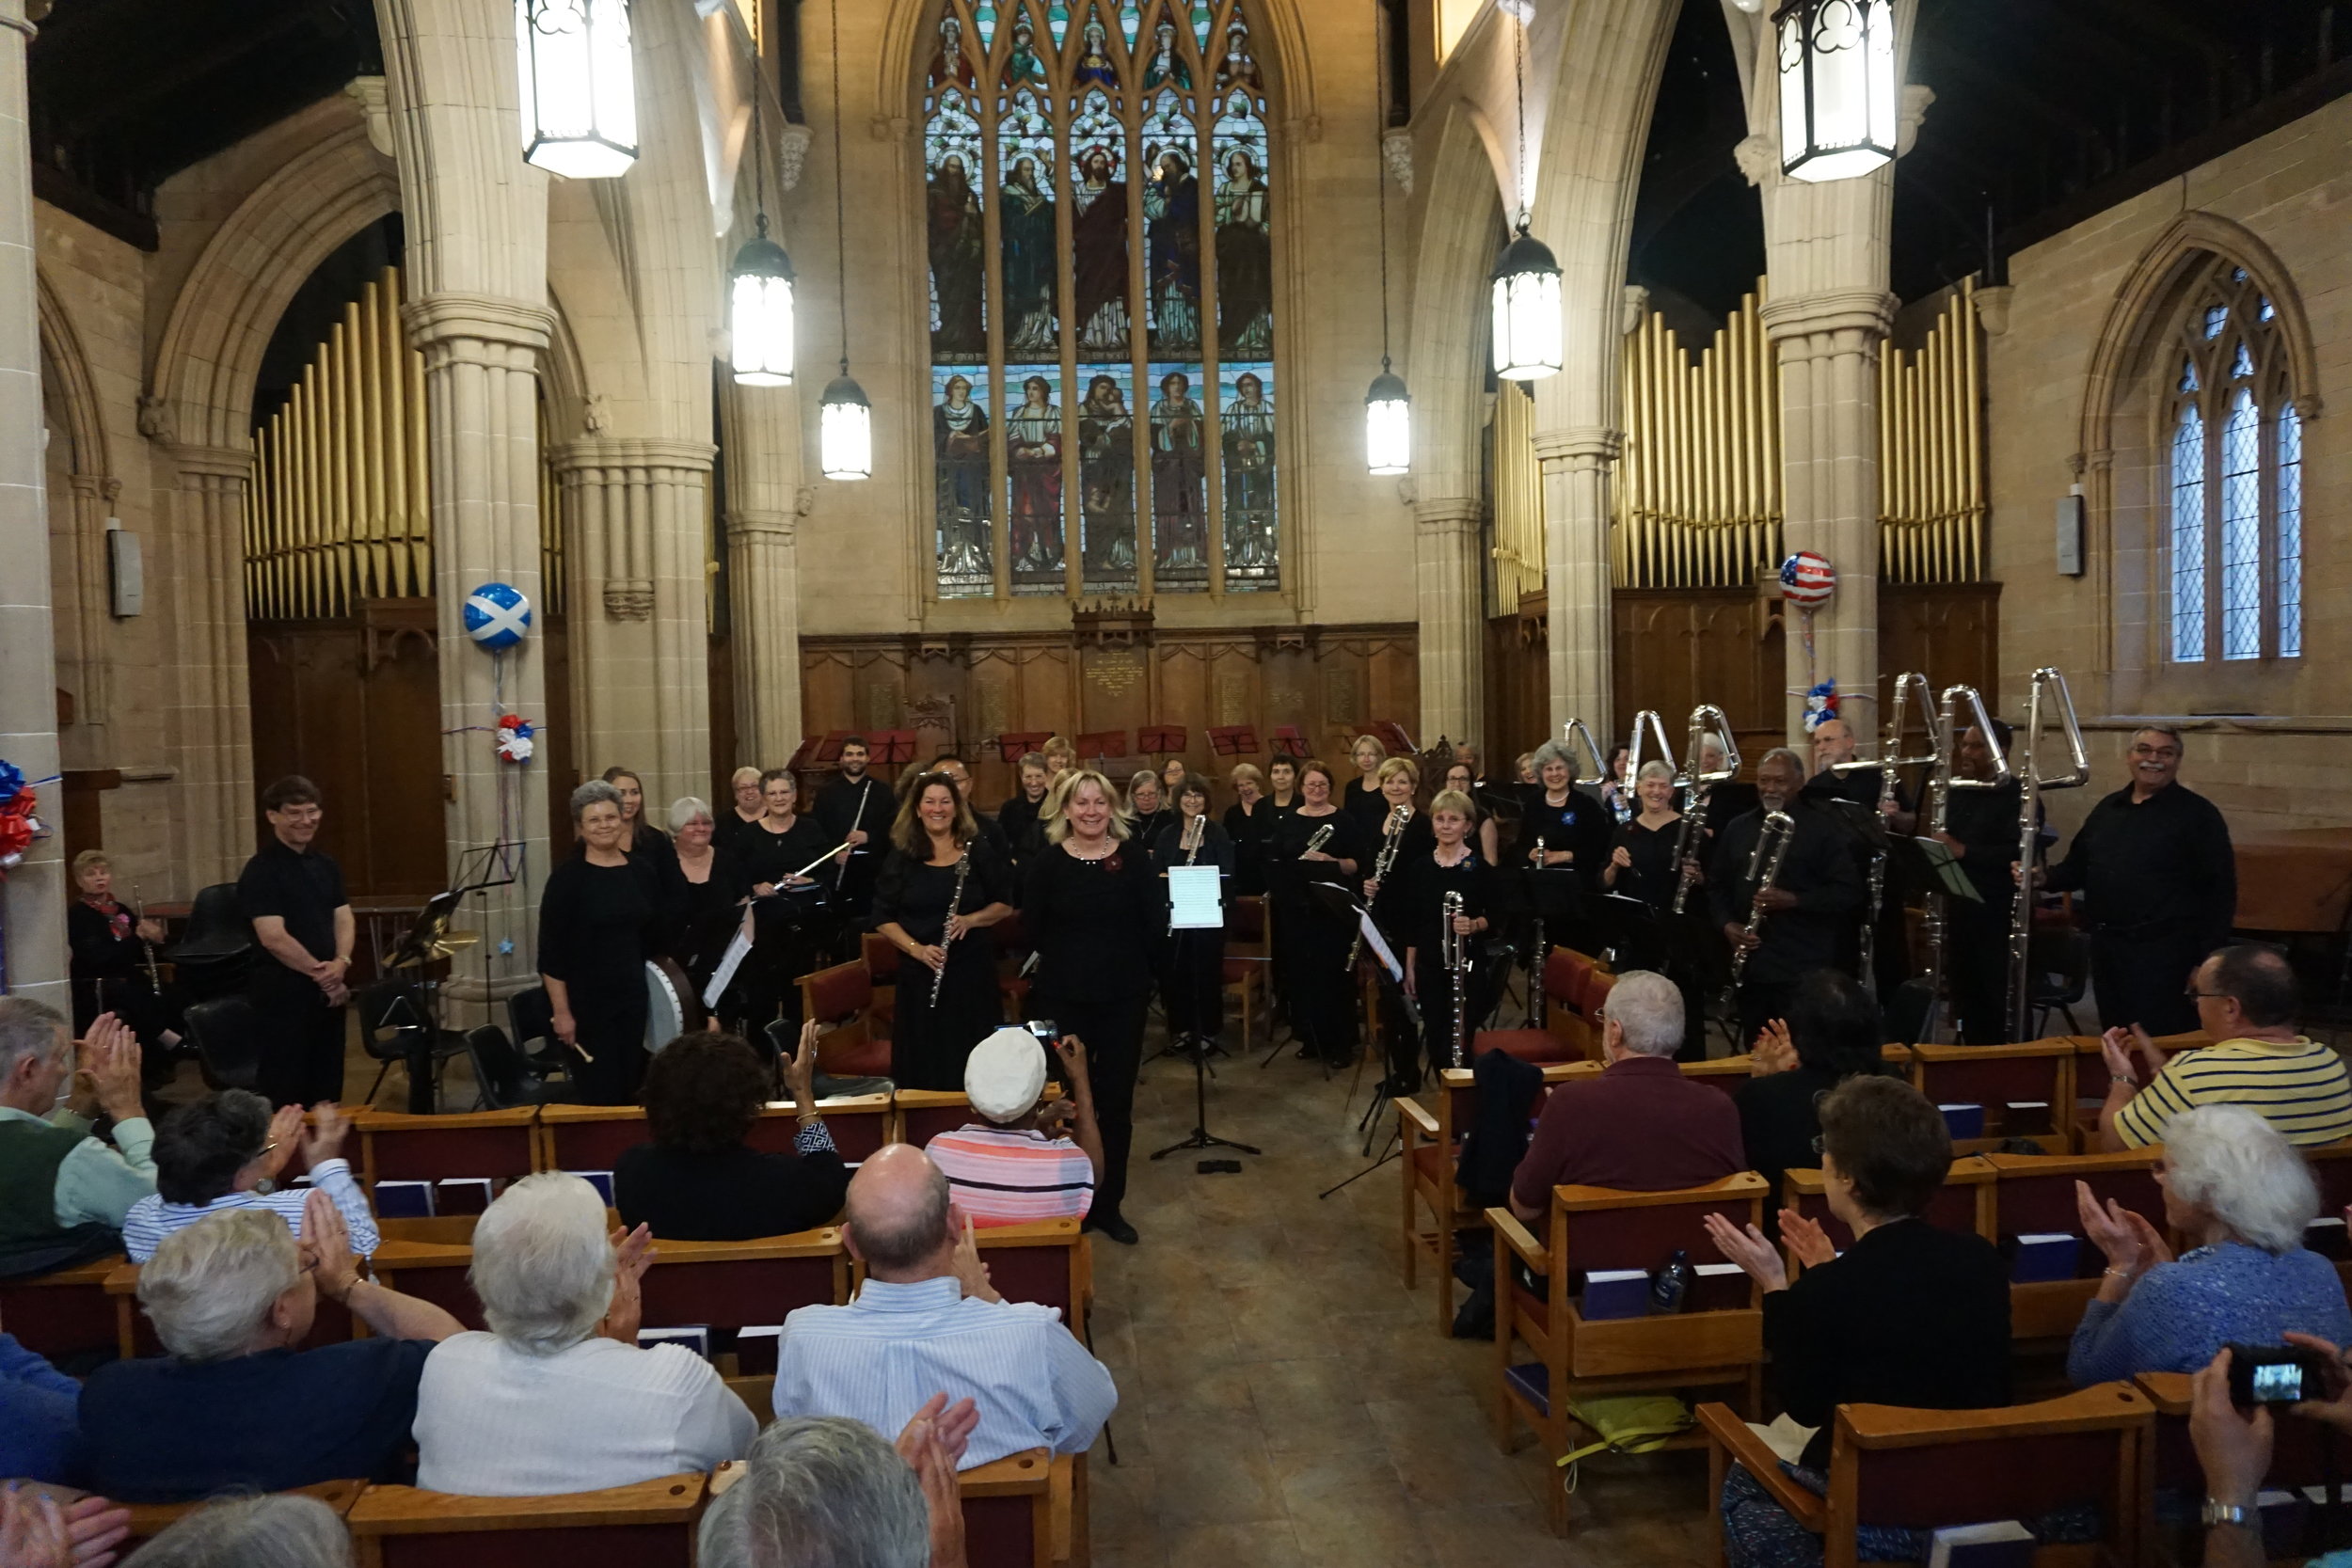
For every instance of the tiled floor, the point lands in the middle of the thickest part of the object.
(1285, 1401)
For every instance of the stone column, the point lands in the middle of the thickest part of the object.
(640, 626)
(1577, 466)
(481, 374)
(212, 720)
(1451, 590)
(763, 506)
(35, 894)
(1828, 345)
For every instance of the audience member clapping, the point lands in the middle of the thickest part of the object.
(219, 1153)
(1024, 1159)
(1909, 1314)
(2233, 1447)
(47, 1099)
(251, 1532)
(2238, 1193)
(558, 1397)
(38, 1529)
(235, 1404)
(1832, 1034)
(824, 1492)
(698, 1180)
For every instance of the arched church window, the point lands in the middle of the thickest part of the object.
(1100, 255)
(2234, 459)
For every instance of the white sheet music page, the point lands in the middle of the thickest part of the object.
(1196, 901)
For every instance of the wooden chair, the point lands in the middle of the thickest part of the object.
(1047, 1261)
(63, 1313)
(648, 1525)
(2331, 1168)
(2303, 1453)
(497, 1145)
(841, 1000)
(1562, 1038)
(1595, 1228)
(1432, 1146)
(2035, 1193)
(731, 1286)
(1925, 1469)
(1998, 1077)
(150, 1519)
(919, 1116)
(1249, 955)
(1962, 1203)
(881, 967)
(1025, 1510)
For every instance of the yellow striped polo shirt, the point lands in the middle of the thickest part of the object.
(2299, 1089)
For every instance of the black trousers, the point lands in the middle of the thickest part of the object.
(301, 1041)
(1113, 1032)
(1976, 959)
(2142, 976)
(1321, 987)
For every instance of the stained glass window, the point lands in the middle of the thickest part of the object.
(1101, 246)
(2233, 461)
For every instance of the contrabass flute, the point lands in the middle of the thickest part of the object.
(2051, 686)
(947, 937)
(1456, 948)
(1691, 838)
(1942, 781)
(1890, 758)
(1771, 849)
(1392, 838)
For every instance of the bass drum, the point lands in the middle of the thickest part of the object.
(671, 1005)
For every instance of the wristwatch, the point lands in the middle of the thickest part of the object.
(2219, 1513)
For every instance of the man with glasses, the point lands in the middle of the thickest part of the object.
(2245, 998)
(2154, 864)
(292, 892)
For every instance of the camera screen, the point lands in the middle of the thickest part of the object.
(2279, 1382)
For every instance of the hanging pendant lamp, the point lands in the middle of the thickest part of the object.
(578, 80)
(1526, 280)
(845, 421)
(1838, 99)
(1388, 407)
(759, 303)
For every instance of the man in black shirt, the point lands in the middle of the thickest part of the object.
(1834, 744)
(292, 892)
(2154, 864)
(1981, 829)
(857, 807)
(1810, 908)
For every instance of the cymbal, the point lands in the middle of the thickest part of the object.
(440, 944)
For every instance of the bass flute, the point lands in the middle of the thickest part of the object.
(1890, 758)
(1455, 949)
(1691, 839)
(1773, 837)
(146, 948)
(1392, 839)
(2050, 686)
(955, 905)
(1942, 781)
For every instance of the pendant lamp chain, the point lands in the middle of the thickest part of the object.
(1518, 87)
(845, 420)
(1380, 176)
(840, 221)
(1388, 407)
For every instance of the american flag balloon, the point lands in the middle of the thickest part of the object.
(1808, 580)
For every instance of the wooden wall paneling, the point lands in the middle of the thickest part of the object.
(1181, 673)
(828, 696)
(1392, 686)
(1114, 690)
(724, 753)
(936, 684)
(880, 684)
(1519, 692)
(1951, 632)
(1675, 648)
(405, 814)
(1287, 689)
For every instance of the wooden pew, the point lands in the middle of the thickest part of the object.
(1594, 1227)
(648, 1525)
(841, 999)
(1025, 1510)
(1047, 1261)
(2331, 1168)
(64, 1313)
(1997, 1076)
(593, 1137)
(2036, 1194)
(1964, 1203)
(499, 1145)
(1923, 1469)
(2300, 1452)
(149, 1519)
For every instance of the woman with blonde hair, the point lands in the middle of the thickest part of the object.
(1361, 797)
(1400, 781)
(1321, 989)
(750, 805)
(1091, 908)
(943, 881)
(1411, 907)
(1248, 821)
(110, 945)
(1062, 757)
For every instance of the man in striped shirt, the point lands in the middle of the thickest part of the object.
(2246, 1000)
(1024, 1160)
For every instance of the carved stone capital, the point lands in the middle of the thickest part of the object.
(1756, 155)
(1447, 515)
(376, 108)
(448, 326)
(890, 127)
(1912, 115)
(1992, 307)
(793, 144)
(211, 462)
(1632, 307)
(628, 599)
(1868, 312)
(780, 528)
(1397, 148)
(155, 419)
(631, 453)
(1578, 448)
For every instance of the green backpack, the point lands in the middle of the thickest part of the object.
(1627, 1423)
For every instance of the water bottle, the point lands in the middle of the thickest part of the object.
(1669, 1286)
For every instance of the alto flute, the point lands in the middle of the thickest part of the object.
(946, 936)
(1391, 839)
(2046, 682)
(1456, 948)
(1771, 849)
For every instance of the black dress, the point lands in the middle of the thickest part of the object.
(598, 925)
(1248, 829)
(1361, 799)
(1193, 976)
(928, 1045)
(732, 1195)
(1321, 988)
(1651, 876)
(1094, 926)
(1411, 912)
(109, 975)
(707, 915)
(1017, 819)
(791, 927)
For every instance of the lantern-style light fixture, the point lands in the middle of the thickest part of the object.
(759, 304)
(578, 80)
(1838, 98)
(1526, 280)
(1387, 424)
(845, 421)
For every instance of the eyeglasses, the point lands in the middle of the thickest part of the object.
(2196, 996)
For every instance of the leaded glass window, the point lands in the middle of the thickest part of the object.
(1100, 252)
(2232, 446)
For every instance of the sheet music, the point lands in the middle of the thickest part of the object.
(728, 963)
(1379, 945)
(1950, 880)
(1196, 898)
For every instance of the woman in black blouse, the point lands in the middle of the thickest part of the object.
(1412, 909)
(1361, 797)
(1091, 908)
(1400, 781)
(697, 1181)
(734, 825)
(1641, 859)
(1248, 821)
(1461, 778)
(1321, 988)
(109, 947)
(1018, 817)
(774, 853)
(1195, 975)
(1148, 808)
(600, 919)
(709, 900)
(934, 832)
(637, 836)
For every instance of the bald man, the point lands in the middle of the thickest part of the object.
(928, 1323)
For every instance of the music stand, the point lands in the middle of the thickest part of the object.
(1232, 740)
(1391, 734)
(896, 747)
(802, 758)
(1161, 740)
(429, 940)
(828, 753)
(1288, 742)
(1013, 747)
(1103, 743)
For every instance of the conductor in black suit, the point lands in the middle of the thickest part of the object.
(292, 892)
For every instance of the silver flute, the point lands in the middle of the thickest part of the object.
(1456, 948)
(1392, 838)
(1773, 836)
(947, 935)
(2048, 687)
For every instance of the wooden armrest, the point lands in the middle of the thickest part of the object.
(1511, 1233)
(1412, 1116)
(1726, 1430)
(1027, 1471)
(2167, 1391)
(1060, 1491)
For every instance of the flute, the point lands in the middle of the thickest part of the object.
(1455, 950)
(1392, 838)
(947, 935)
(146, 948)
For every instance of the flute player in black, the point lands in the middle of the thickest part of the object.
(1980, 827)
(1809, 911)
(1322, 990)
(601, 916)
(938, 949)
(1092, 910)
(857, 809)
(1410, 908)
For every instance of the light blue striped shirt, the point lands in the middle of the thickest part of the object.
(151, 1219)
(878, 1359)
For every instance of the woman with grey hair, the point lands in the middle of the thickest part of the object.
(708, 894)
(600, 919)
(294, 1532)
(223, 1152)
(825, 1489)
(556, 1397)
(1641, 858)
(2241, 1196)
(235, 1404)
(1564, 832)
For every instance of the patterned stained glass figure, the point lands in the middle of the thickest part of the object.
(1248, 469)
(1097, 200)
(1107, 475)
(1171, 221)
(984, 17)
(1057, 20)
(1200, 21)
(960, 431)
(950, 65)
(1022, 64)
(1238, 68)
(1130, 20)
(1180, 533)
(1025, 224)
(1244, 235)
(1033, 438)
(1094, 59)
(1167, 63)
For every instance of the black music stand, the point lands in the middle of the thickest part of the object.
(428, 940)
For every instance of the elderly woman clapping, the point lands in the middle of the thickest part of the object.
(556, 1397)
(2241, 1197)
(235, 1405)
